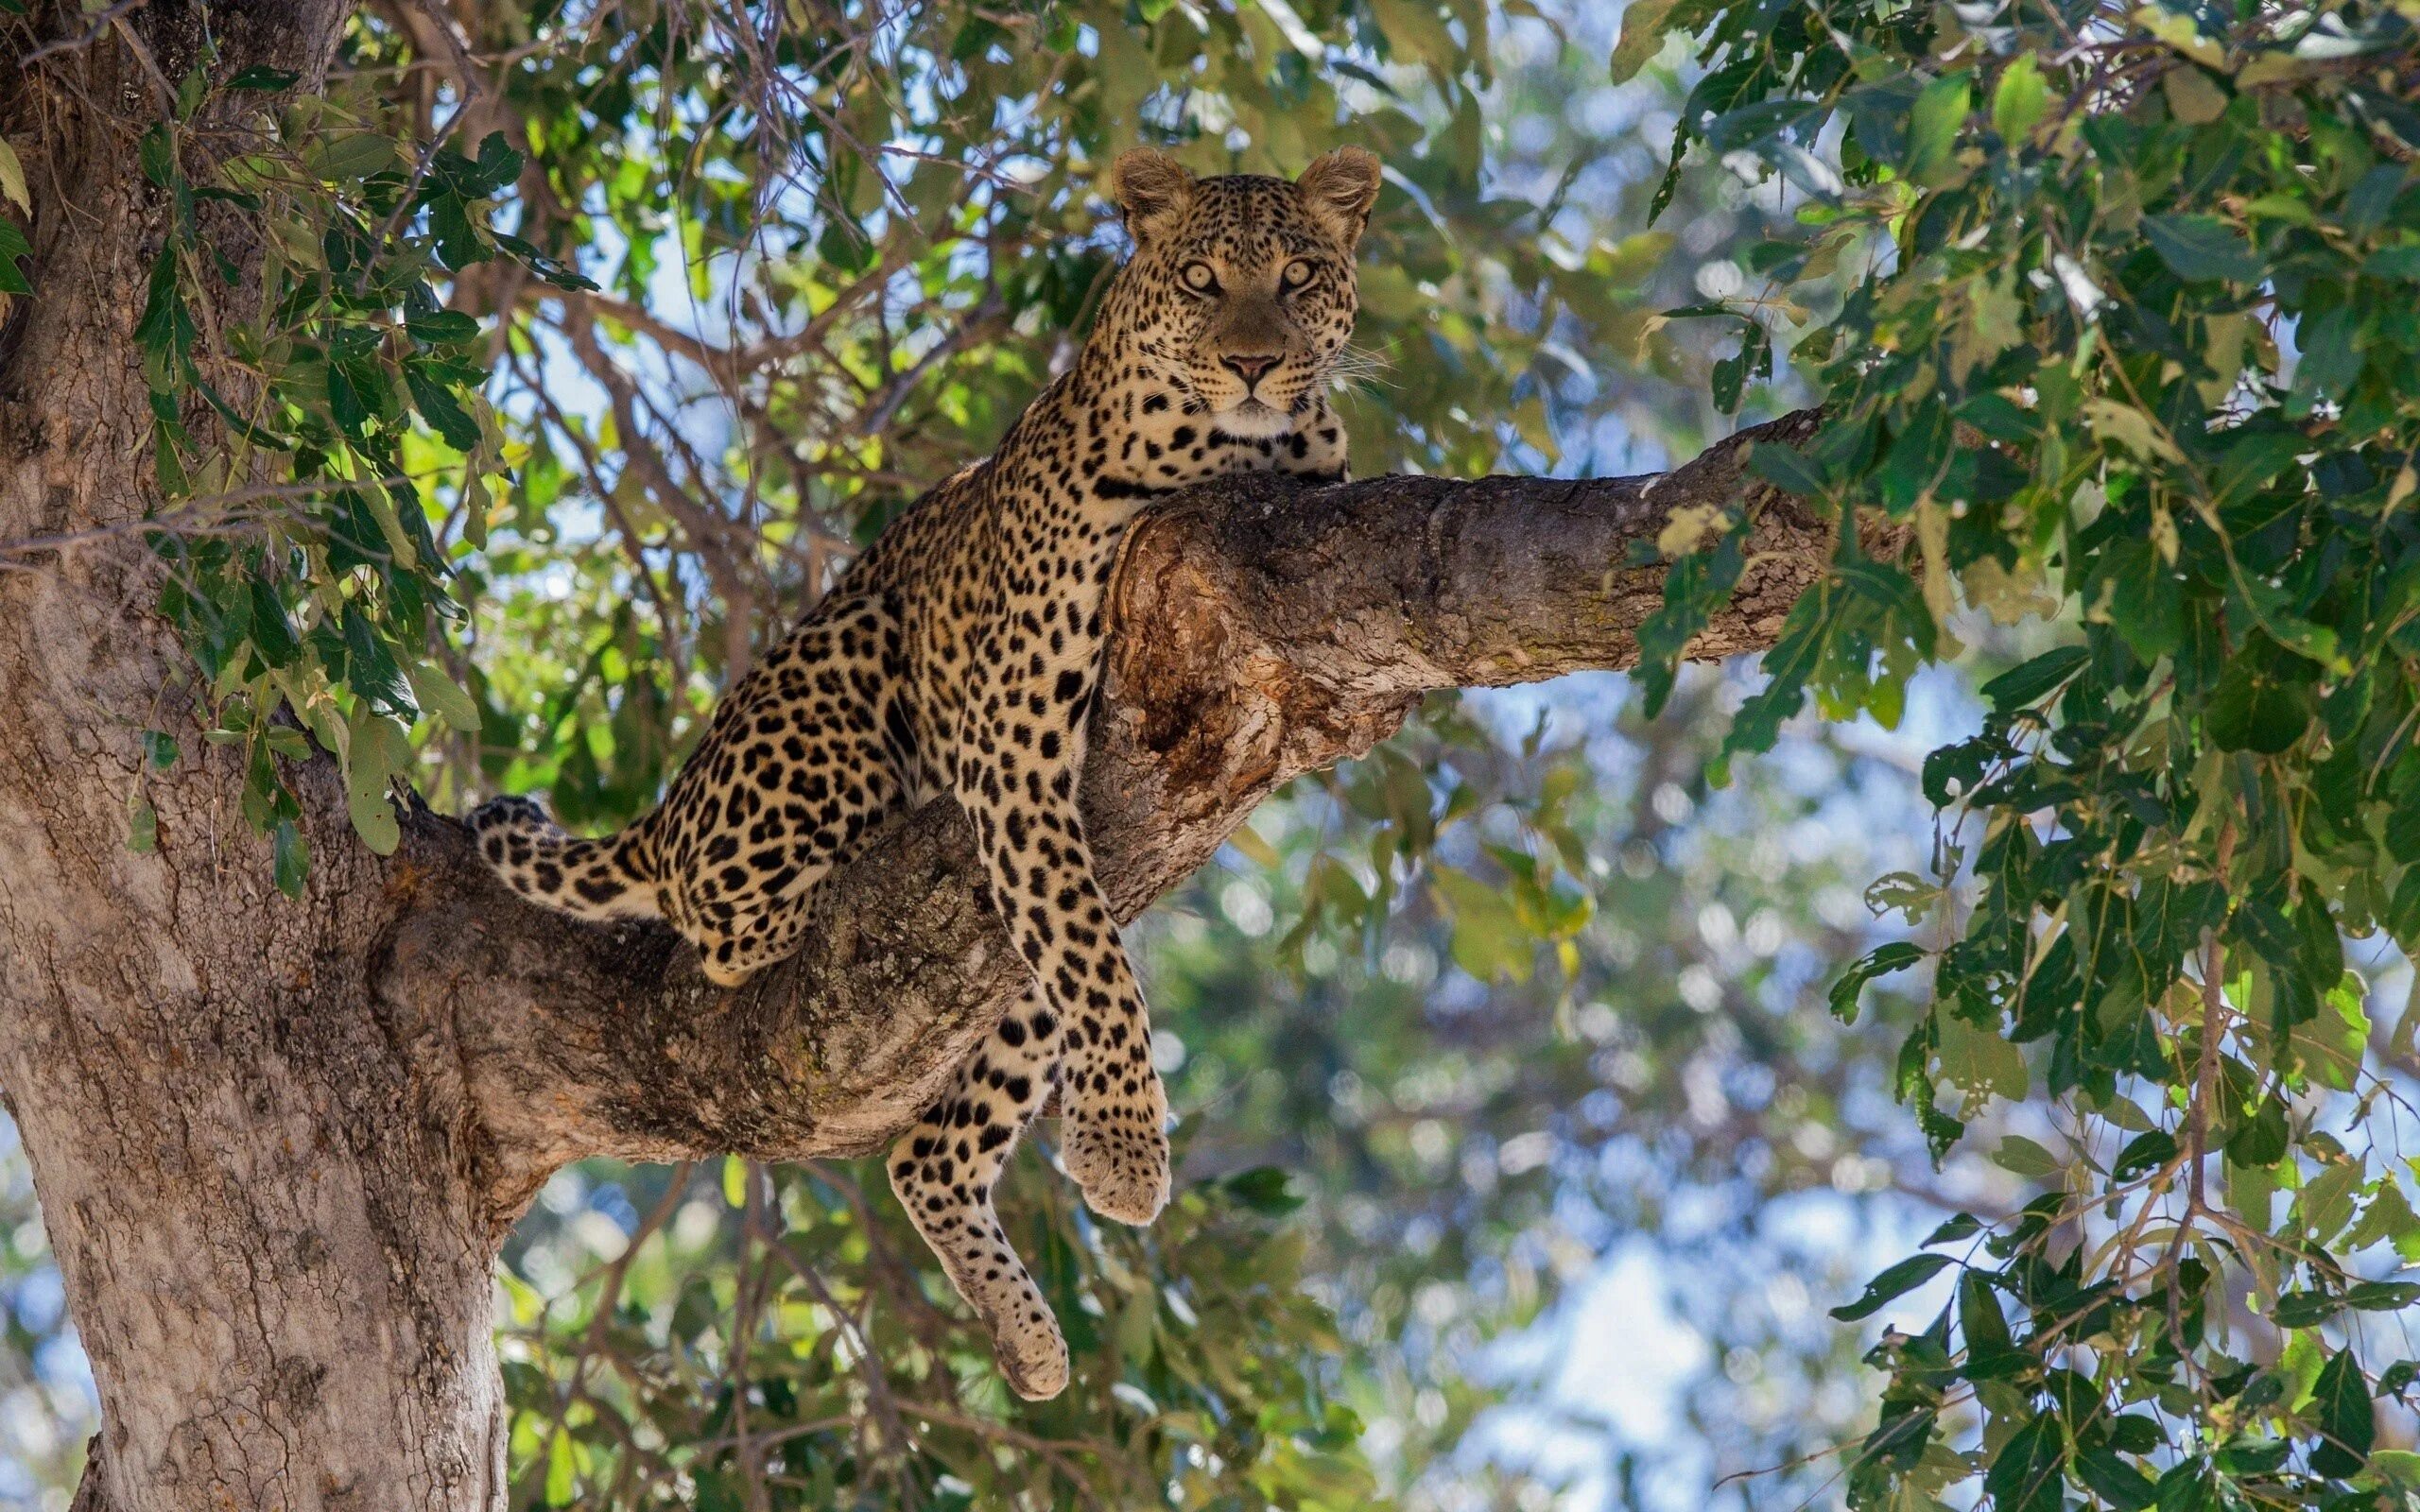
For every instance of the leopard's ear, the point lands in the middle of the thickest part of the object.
(1337, 189)
(1153, 189)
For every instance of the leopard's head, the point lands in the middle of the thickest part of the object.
(1241, 288)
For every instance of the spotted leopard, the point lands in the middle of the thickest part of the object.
(958, 657)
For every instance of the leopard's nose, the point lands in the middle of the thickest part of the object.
(1250, 366)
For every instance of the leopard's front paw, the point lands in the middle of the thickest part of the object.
(1119, 1156)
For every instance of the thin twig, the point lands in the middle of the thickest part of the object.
(92, 34)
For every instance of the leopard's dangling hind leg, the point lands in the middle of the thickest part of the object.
(537, 858)
(943, 1171)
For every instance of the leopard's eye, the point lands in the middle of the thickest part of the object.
(1298, 273)
(1199, 279)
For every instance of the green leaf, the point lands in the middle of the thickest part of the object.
(2331, 1043)
(2020, 99)
(1724, 382)
(1933, 126)
(377, 748)
(1413, 32)
(160, 749)
(2125, 426)
(1135, 1337)
(498, 163)
(2331, 359)
(1980, 1318)
(2324, 1205)
(1489, 939)
(1963, 1226)
(2144, 1151)
(2020, 1155)
(2303, 1310)
(157, 153)
(455, 231)
(292, 850)
(539, 263)
(2261, 1140)
(2144, 597)
(2388, 1217)
(442, 327)
(2400, 1468)
(2022, 686)
(1880, 961)
(347, 157)
(1642, 36)
(2394, 261)
(1786, 666)
(2192, 98)
(2348, 1422)
(1979, 1064)
(561, 1472)
(2201, 247)
(371, 668)
(141, 827)
(1694, 587)
(12, 179)
(2028, 1474)
(444, 412)
(2113, 1480)
(1265, 1190)
(273, 633)
(13, 249)
(165, 329)
(1787, 467)
(2255, 710)
(443, 697)
(1894, 1283)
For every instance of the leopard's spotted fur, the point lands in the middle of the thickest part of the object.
(958, 657)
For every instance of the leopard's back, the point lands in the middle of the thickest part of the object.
(826, 735)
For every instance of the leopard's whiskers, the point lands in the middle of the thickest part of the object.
(1354, 365)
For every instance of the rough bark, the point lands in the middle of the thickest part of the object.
(278, 1142)
(256, 1193)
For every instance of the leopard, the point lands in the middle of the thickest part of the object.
(960, 657)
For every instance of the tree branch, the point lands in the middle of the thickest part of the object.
(1260, 631)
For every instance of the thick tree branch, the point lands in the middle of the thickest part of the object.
(1261, 630)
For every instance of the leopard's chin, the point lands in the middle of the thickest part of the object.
(1253, 421)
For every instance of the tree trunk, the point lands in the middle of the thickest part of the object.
(276, 1254)
(279, 1142)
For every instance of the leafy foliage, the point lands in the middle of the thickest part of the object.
(768, 1371)
(2133, 334)
(306, 575)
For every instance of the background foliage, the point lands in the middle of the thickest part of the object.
(2135, 335)
(1527, 1136)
